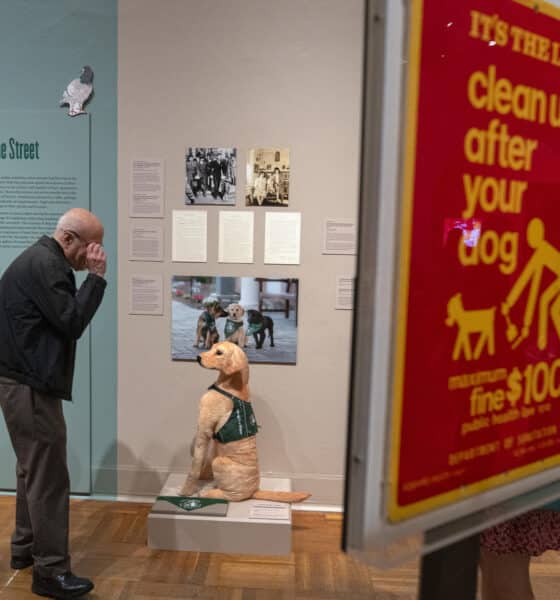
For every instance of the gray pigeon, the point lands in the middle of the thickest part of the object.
(78, 92)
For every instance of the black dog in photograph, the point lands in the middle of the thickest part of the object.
(259, 324)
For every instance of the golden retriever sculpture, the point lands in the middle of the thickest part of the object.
(225, 414)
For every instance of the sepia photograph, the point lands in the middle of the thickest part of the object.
(258, 314)
(210, 176)
(268, 177)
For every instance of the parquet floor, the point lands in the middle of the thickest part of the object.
(108, 542)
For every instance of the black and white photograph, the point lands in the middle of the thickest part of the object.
(258, 314)
(210, 176)
(268, 177)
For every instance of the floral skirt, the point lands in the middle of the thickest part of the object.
(532, 533)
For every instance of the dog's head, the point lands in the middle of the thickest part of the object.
(254, 316)
(454, 309)
(216, 310)
(225, 357)
(235, 312)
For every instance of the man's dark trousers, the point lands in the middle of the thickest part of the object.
(37, 429)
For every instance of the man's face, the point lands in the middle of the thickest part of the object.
(75, 248)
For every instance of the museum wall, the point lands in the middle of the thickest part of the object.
(243, 74)
(44, 44)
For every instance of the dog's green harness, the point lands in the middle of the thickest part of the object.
(241, 423)
(254, 328)
(209, 321)
(231, 327)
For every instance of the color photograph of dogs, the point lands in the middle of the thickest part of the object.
(255, 313)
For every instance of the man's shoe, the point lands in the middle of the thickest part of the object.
(62, 586)
(19, 562)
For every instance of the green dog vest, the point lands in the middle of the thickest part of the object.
(209, 321)
(231, 327)
(254, 328)
(241, 423)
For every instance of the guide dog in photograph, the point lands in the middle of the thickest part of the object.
(206, 330)
(259, 324)
(225, 442)
(234, 331)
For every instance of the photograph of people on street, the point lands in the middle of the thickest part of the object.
(268, 177)
(256, 313)
(210, 176)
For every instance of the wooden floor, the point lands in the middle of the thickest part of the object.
(108, 542)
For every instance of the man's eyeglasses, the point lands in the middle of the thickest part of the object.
(76, 235)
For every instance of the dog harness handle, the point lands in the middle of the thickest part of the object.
(241, 423)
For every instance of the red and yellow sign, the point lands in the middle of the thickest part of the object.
(477, 370)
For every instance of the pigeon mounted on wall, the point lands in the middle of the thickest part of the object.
(78, 92)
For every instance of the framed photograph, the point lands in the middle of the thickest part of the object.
(268, 177)
(210, 176)
(257, 313)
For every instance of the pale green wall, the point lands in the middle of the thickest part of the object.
(43, 45)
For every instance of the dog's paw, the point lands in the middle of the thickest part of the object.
(188, 491)
(189, 488)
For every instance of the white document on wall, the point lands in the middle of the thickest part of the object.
(146, 295)
(235, 244)
(146, 198)
(189, 236)
(145, 240)
(344, 292)
(282, 235)
(340, 236)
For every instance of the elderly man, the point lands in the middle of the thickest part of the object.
(42, 314)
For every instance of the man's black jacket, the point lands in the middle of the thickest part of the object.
(41, 317)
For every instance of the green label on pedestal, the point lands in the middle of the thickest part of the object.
(188, 503)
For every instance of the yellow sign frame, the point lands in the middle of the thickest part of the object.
(395, 511)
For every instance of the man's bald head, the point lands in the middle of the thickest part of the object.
(76, 231)
(82, 222)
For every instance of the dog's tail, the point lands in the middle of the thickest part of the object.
(280, 496)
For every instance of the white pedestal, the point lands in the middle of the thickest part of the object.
(235, 533)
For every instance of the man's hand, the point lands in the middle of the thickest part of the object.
(96, 259)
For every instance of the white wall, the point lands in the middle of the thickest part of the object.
(242, 73)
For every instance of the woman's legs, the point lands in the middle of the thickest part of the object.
(505, 576)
